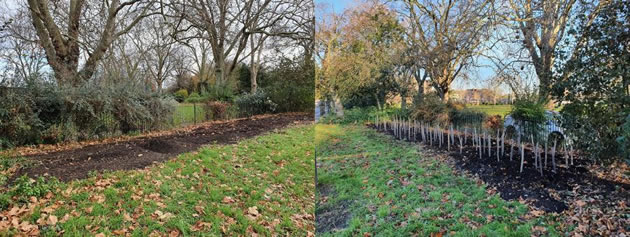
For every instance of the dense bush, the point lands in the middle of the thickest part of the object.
(45, 113)
(529, 109)
(255, 103)
(216, 110)
(291, 86)
(181, 95)
(194, 98)
(431, 109)
(594, 84)
(19, 123)
(494, 122)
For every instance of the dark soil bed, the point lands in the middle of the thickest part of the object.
(551, 192)
(141, 152)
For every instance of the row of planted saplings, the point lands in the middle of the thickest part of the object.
(480, 139)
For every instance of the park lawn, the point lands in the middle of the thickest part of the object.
(262, 185)
(185, 114)
(392, 188)
(492, 109)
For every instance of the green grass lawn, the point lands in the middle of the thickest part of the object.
(185, 114)
(492, 109)
(262, 185)
(391, 188)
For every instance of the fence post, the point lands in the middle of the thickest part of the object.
(195, 113)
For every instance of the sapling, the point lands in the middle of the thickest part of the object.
(409, 130)
(480, 148)
(438, 129)
(448, 140)
(461, 145)
(422, 133)
(430, 136)
(533, 150)
(498, 145)
(571, 153)
(566, 157)
(546, 142)
(511, 148)
(553, 154)
(465, 134)
(522, 155)
(538, 154)
(489, 139)
(503, 143)
(416, 129)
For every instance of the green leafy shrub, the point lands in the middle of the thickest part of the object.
(291, 85)
(25, 187)
(529, 109)
(181, 95)
(255, 103)
(431, 109)
(46, 113)
(19, 121)
(595, 88)
(194, 98)
(218, 93)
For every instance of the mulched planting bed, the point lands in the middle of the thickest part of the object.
(137, 153)
(589, 200)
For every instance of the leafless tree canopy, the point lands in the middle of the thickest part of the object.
(448, 35)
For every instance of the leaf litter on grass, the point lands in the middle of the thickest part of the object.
(404, 191)
(260, 186)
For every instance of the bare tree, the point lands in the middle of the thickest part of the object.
(449, 36)
(159, 60)
(59, 32)
(21, 56)
(228, 25)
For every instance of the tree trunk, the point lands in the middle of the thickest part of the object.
(378, 102)
(420, 80)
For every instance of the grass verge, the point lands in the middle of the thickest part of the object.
(262, 185)
(372, 185)
(492, 109)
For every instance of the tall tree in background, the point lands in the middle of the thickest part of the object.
(59, 32)
(449, 35)
(21, 54)
(542, 24)
(160, 59)
(359, 54)
(228, 25)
